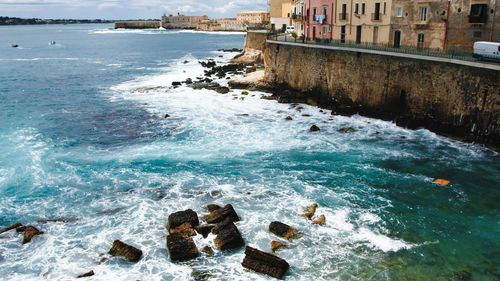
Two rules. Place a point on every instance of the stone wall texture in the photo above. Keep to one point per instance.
(449, 99)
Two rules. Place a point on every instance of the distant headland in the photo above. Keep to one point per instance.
(20, 21)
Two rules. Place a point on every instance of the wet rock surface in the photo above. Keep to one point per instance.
(185, 229)
(228, 236)
(128, 252)
(321, 220)
(276, 245)
(181, 217)
(221, 214)
(281, 229)
(88, 274)
(14, 226)
(266, 263)
(310, 211)
(204, 229)
(29, 233)
(181, 248)
(314, 128)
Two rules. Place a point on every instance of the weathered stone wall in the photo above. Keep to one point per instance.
(137, 24)
(450, 99)
(255, 40)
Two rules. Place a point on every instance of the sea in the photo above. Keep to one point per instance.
(87, 156)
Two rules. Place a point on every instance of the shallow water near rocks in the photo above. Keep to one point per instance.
(88, 158)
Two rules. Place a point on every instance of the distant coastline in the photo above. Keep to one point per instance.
(35, 21)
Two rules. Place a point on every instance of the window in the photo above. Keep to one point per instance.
(376, 15)
(325, 11)
(344, 12)
(423, 14)
(385, 7)
(363, 8)
(356, 8)
(477, 34)
(420, 38)
(314, 13)
(478, 13)
(400, 12)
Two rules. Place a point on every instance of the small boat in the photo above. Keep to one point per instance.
(52, 42)
(15, 45)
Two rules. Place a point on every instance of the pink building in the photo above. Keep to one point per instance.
(319, 18)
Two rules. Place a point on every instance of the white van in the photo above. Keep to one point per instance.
(290, 29)
(487, 50)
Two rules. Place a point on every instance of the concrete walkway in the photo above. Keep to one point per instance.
(491, 66)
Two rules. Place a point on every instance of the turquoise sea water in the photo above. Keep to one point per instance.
(82, 136)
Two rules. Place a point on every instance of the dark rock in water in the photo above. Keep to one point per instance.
(245, 93)
(269, 97)
(166, 115)
(204, 229)
(347, 130)
(219, 215)
(176, 83)
(222, 90)
(203, 85)
(310, 211)
(314, 128)
(321, 220)
(14, 226)
(231, 50)
(14, 45)
(306, 115)
(228, 236)
(185, 229)
(185, 61)
(181, 217)
(208, 64)
(64, 220)
(289, 118)
(88, 274)
(266, 263)
(129, 252)
(181, 248)
(276, 245)
(208, 250)
(22, 228)
(281, 229)
(189, 81)
(213, 207)
(29, 233)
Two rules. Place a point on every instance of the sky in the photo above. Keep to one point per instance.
(126, 9)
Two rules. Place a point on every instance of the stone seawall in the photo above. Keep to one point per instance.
(454, 100)
(137, 24)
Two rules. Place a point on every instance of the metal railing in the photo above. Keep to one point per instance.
(416, 50)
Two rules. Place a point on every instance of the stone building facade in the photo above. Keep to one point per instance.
(280, 13)
(254, 17)
(298, 12)
(181, 21)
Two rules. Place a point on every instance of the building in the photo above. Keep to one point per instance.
(319, 19)
(254, 17)
(225, 24)
(444, 24)
(298, 11)
(181, 21)
(280, 11)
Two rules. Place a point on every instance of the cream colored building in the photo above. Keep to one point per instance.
(362, 21)
(181, 21)
(280, 12)
(297, 15)
(254, 17)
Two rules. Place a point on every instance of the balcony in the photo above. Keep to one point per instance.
(376, 16)
(343, 16)
(297, 17)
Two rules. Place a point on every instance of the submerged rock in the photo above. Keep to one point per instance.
(14, 226)
(222, 90)
(29, 233)
(88, 274)
(276, 245)
(208, 250)
(176, 83)
(181, 217)
(204, 229)
(213, 207)
(189, 81)
(63, 220)
(321, 220)
(181, 248)
(281, 229)
(220, 214)
(314, 128)
(289, 118)
(129, 252)
(310, 211)
(347, 130)
(228, 236)
(263, 262)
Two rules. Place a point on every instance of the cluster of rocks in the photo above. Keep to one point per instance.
(29, 231)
